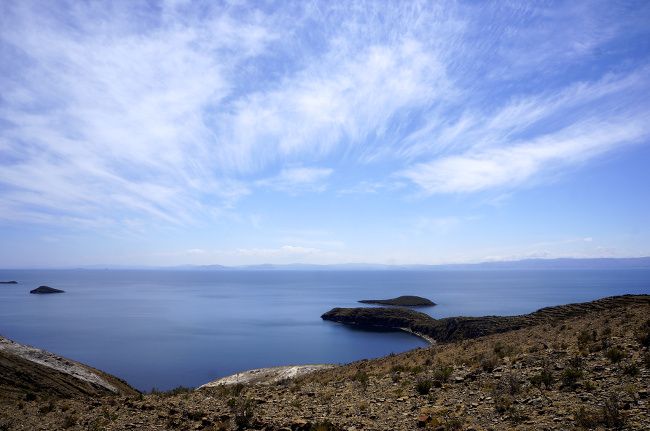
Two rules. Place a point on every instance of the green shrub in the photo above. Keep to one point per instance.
(175, 391)
(193, 415)
(489, 363)
(504, 393)
(588, 385)
(570, 377)
(441, 374)
(587, 417)
(503, 403)
(511, 384)
(609, 415)
(631, 370)
(584, 339)
(324, 426)
(502, 350)
(46, 408)
(244, 412)
(453, 424)
(575, 362)
(236, 389)
(612, 416)
(614, 354)
(361, 377)
(643, 335)
(423, 386)
(69, 421)
(545, 377)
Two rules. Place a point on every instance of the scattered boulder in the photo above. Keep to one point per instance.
(403, 301)
(46, 289)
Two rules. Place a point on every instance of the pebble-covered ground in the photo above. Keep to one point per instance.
(583, 373)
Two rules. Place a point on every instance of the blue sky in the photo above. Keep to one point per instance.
(164, 133)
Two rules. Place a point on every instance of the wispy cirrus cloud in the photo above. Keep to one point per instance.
(135, 113)
(511, 166)
(438, 225)
(332, 104)
(109, 120)
(533, 137)
(298, 179)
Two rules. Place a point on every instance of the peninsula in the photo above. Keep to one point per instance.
(460, 328)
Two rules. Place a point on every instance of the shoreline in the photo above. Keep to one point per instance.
(430, 340)
(270, 375)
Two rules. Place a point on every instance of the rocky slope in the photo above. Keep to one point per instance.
(571, 370)
(460, 328)
(267, 375)
(29, 372)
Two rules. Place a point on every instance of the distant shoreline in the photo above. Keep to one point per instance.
(562, 263)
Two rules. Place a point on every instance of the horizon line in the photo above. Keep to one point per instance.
(332, 265)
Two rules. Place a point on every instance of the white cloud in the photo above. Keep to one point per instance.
(108, 119)
(437, 225)
(280, 252)
(373, 187)
(129, 115)
(335, 101)
(511, 166)
(298, 179)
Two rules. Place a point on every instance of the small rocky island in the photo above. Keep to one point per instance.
(46, 289)
(402, 301)
(9, 282)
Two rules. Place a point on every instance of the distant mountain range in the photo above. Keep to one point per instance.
(525, 264)
(563, 263)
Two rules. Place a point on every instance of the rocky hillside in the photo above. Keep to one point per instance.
(27, 372)
(571, 370)
(461, 328)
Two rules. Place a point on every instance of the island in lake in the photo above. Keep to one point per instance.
(9, 282)
(46, 289)
(403, 301)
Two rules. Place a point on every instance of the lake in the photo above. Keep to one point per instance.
(165, 328)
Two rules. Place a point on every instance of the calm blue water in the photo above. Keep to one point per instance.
(168, 328)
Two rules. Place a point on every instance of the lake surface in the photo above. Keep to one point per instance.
(168, 328)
